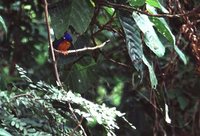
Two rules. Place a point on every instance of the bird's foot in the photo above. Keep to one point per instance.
(65, 53)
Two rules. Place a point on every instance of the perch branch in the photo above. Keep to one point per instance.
(83, 49)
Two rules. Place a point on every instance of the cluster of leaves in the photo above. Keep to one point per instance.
(42, 118)
(104, 76)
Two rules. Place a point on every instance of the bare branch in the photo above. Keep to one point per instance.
(55, 64)
(23, 95)
(78, 125)
(131, 9)
(82, 49)
(51, 45)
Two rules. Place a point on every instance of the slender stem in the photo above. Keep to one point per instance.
(51, 45)
(78, 125)
(55, 64)
(131, 9)
(23, 95)
(83, 49)
(76, 118)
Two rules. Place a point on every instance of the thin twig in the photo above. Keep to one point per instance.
(119, 63)
(82, 49)
(51, 45)
(55, 63)
(77, 121)
(78, 125)
(22, 95)
(131, 9)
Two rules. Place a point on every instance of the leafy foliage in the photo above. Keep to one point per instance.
(63, 17)
(89, 110)
(133, 40)
(102, 93)
(164, 29)
(150, 37)
(152, 75)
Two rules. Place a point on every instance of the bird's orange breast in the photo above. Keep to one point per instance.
(64, 45)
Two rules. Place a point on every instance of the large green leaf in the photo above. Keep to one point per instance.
(133, 40)
(162, 27)
(2, 23)
(152, 75)
(66, 13)
(150, 37)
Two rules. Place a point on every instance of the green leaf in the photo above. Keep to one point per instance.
(152, 75)
(160, 24)
(162, 27)
(133, 40)
(110, 11)
(180, 53)
(13, 123)
(116, 93)
(101, 91)
(137, 2)
(68, 13)
(156, 4)
(2, 24)
(150, 37)
(3, 132)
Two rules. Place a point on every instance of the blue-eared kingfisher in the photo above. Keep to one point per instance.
(64, 43)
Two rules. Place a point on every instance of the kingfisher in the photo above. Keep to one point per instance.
(64, 43)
